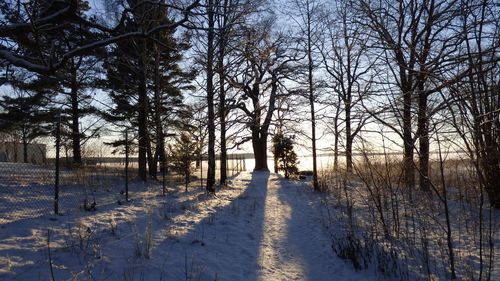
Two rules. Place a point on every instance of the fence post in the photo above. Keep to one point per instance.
(233, 165)
(126, 164)
(58, 149)
(164, 171)
(244, 168)
(201, 169)
(240, 164)
(237, 163)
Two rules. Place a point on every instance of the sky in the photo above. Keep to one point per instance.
(371, 133)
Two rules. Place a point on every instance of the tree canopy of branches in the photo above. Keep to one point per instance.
(32, 23)
(264, 61)
(147, 85)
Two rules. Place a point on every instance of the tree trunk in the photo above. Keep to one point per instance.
(25, 147)
(491, 158)
(152, 164)
(276, 170)
(408, 168)
(259, 144)
(313, 135)
(210, 100)
(491, 172)
(348, 136)
(160, 150)
(311, 100)
(260, 131)
(336, 141)
(75, 120)
(423, 138)
(222, 114)
(187, 178)
(142, 120)
(157, 119)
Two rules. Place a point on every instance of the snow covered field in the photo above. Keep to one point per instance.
(260, 227)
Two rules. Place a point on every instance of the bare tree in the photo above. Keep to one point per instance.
(417, 38)
(230, 14)
(224, 29)
(210, 96)
(306, 15)
(264, 61)
(475, 98)
(348, 64)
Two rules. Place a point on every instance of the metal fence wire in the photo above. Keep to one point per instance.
(34, 181)
(33, 189)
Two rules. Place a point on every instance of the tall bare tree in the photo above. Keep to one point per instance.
(475, 98)
(210, 9)
(306, 14)
(230, 14)
(417, 38)
(348, 65)
(223, 34)
(264, 61)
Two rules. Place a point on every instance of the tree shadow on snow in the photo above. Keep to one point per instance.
(207, 252)
(306, 240)
(225, 245)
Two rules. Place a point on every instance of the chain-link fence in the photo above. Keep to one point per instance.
(34, 188)
(37, 180)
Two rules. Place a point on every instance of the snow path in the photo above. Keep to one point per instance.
(294, 244)
(272, 231)
(290, 239)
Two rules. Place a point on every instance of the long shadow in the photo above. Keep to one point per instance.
(207, 252)
(306, 239)
(203, 252)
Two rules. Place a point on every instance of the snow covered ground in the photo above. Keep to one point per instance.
(261, 227)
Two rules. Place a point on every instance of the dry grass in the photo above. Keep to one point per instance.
(412, 222)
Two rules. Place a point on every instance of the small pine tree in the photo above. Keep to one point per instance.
(183, 154)
(285, 154)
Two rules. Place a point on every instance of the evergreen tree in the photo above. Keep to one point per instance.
(75, 74)
(285, 154)
(28, 22)
(80, 74)
(126, 81)
(147, 84)
(183, 153)
(168, 82)
(25, 111)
